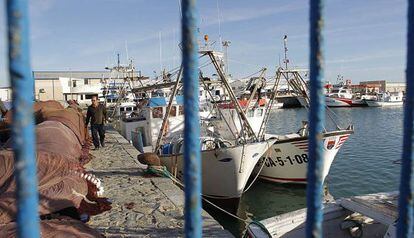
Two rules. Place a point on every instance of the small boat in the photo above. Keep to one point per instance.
(339, 97)
(372, 215)
(386, 100)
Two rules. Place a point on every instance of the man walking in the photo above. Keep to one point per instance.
(96, 114)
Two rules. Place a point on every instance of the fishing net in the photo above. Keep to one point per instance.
(58, 185)
(63, 227)
(54, 137)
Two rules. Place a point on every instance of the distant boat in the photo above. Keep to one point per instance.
(386, 100)
(339, 97)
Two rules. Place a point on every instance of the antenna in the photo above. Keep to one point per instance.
(219, 24)
(279, 60)
(126, 49)
(160, 39)
(119, 62)
(286, 60)
(226, 45)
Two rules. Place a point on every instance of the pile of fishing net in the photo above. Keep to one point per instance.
(66, 192)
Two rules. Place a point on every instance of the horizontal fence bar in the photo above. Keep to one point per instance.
(405, 208)
(192, 163)
(316, 123)
(23, 136)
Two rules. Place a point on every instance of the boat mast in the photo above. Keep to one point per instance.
(256, 86)
(246, 124)
(286, 60)
(226, 45)
(167, 113)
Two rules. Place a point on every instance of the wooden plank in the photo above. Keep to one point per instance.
(381, 207)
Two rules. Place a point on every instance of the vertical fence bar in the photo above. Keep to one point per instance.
(23, 122)
(316, 122)
(192, 163)
(405, 208)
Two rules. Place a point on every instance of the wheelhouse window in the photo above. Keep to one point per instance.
(173, 111)
(250, 113)
(180, 110)
(157, 112)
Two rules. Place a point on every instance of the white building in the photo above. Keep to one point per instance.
(5, 93)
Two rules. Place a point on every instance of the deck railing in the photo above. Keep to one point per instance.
(24, 139)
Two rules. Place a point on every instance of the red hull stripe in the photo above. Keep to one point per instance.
(284, 179)
(347, 101)
(300, 143)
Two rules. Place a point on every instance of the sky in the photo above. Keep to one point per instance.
(363, 40)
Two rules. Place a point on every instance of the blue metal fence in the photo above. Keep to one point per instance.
(24, 140)
(23, 123)
(316, 123)
(192, 163)
(405, 221)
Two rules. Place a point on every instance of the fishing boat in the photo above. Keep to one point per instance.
(371, 215)
(227, 163)
(287, 159)
(386, 100)
(340, 96)
(226, 166)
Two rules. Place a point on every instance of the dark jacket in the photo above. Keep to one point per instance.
(96, 115)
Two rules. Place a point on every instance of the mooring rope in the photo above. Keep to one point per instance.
(162, 171)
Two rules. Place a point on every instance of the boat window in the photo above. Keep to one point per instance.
(121, 109)
(250, 113)
(180, 110)
(259, 112)
(217, 92)
(173, 111)
(134, 108)
(157, 112)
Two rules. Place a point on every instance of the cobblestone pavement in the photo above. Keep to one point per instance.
(142, 206)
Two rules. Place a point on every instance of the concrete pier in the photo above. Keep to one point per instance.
(142, 206)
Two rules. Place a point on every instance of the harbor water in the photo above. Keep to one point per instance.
(367, 163)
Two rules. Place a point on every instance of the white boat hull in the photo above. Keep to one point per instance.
(383, 104)
(330, 102)
(287, 160)
(338, 102)
(225, 171)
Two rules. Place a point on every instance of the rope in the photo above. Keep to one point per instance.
(162, 171)
(258, 173)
